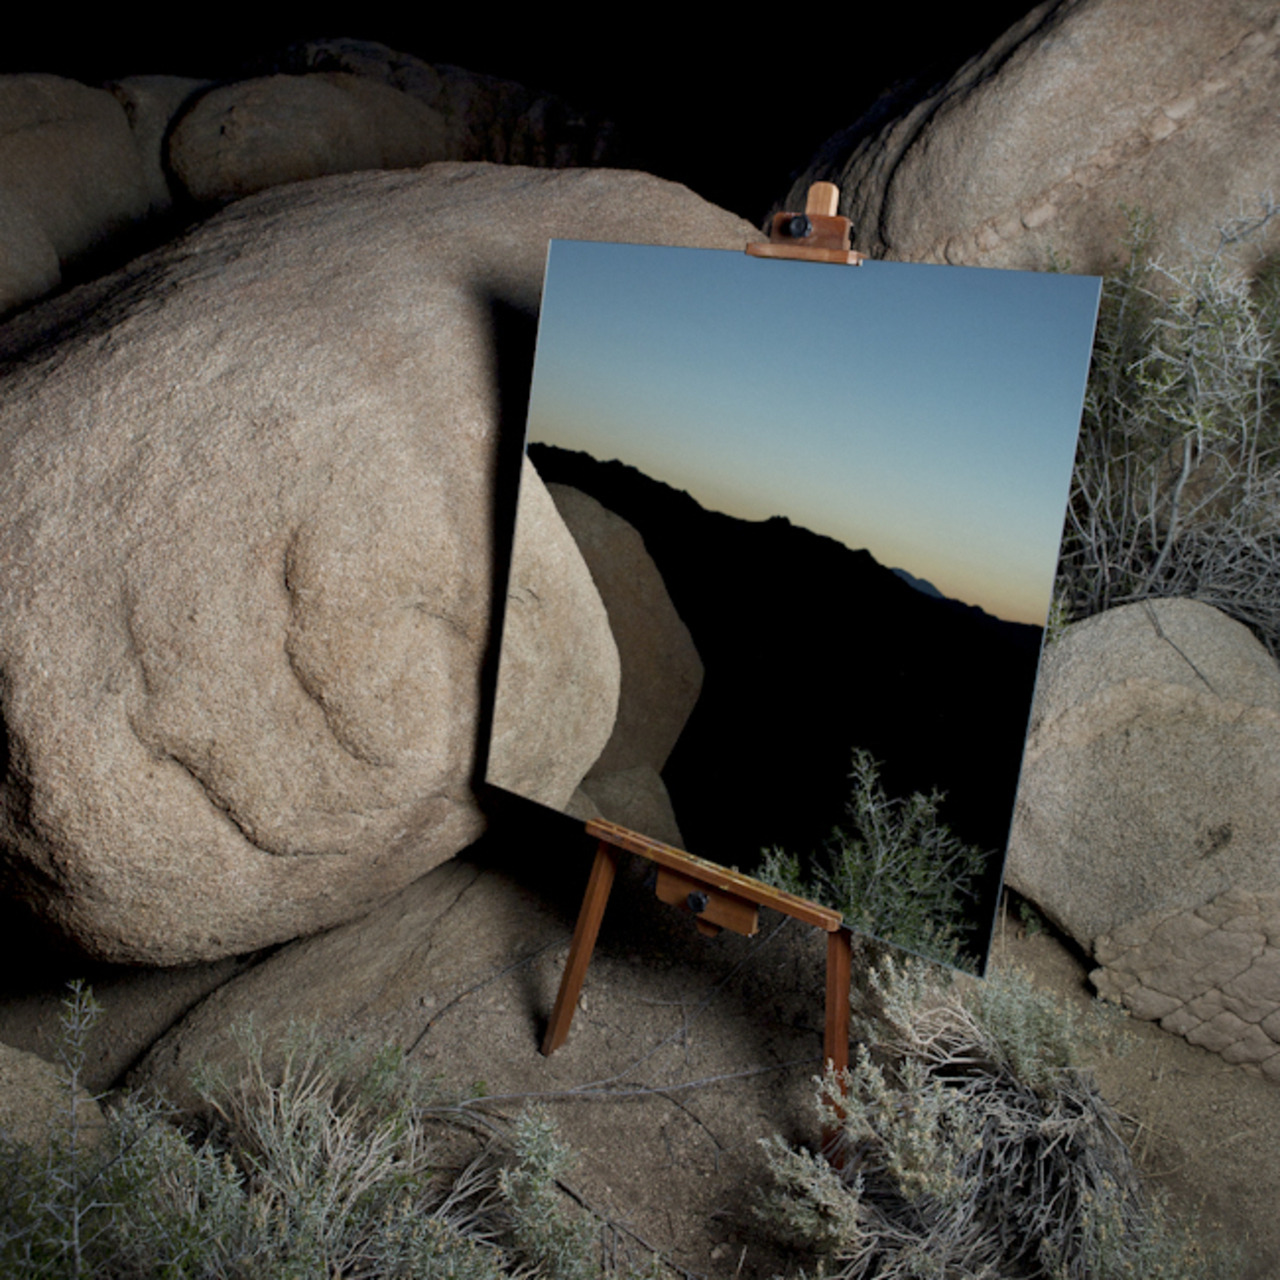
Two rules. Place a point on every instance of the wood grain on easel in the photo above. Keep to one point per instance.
(594, 901)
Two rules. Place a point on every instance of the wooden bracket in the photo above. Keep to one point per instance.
(719, 899)
(816, 235)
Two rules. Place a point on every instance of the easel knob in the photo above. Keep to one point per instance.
(824, 199)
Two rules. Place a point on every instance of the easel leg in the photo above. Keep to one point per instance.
(835, 1040)
(594, 902)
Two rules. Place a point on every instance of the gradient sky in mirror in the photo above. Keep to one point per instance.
(926, 413)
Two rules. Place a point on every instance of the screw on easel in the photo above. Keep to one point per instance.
(697, 902)
(797, 227)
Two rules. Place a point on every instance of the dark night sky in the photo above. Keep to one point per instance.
(731, 112)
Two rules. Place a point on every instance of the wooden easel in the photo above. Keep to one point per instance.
(718, 897)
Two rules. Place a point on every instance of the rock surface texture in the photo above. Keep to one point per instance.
(34, 1103)
(636, 798)
(1084, 105)
(246, 526)
(661, 673)
(1147, 818)
(1212, 975)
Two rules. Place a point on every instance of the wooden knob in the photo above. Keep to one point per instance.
(824, 199)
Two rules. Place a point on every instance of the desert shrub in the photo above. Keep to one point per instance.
(895, 871)
(972, 1145)
(560, 1244)
(331, 1164)
(1176, 490)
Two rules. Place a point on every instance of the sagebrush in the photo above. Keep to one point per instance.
(895, 870)
(973, 1146)
(1176, 489)
(339, 1162)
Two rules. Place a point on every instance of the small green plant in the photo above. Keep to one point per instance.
(972, 1144)
(1030, 917)
(1176, 489)
(329, 1164)
(896, 872)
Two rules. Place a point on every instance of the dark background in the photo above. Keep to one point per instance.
(732, 112)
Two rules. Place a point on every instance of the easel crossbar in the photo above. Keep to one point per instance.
(716, 876)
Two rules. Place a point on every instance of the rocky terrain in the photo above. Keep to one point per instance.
(254, 500)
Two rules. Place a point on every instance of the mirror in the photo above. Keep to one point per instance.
(822, 508)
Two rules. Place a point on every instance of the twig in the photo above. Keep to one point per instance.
(602, 1089)
(479, 986)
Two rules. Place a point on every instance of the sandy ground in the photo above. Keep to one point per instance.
(685, 1052)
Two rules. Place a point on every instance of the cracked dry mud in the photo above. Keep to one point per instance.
(683, 1052)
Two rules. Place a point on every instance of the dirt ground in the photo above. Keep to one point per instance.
(685, 1052)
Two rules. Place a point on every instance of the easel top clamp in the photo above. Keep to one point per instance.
(717, 897)
(818, 234)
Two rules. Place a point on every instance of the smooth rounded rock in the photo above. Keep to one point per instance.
(151, 104)
(1151, 779)
(70, 178)
(254, 134)
(1029, 155)
(246, 551)
(1147, 816)
(559, 668)
(38, 1105)
(661, 670)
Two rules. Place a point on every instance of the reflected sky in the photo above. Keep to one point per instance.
(926, 413)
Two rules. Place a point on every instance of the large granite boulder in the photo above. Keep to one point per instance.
(1030, 151)
(559, 665)
(70, 178)
(1147, 817)
(254, 134)
(661, 670)
(635, 798)
(246, 550)
(81, 167)
(661, 673)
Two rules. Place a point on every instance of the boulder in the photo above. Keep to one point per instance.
(36, 1103)
(388, 975)
(661, 670)
(635, 798)
(485, 118)
(254, 134)
(1029, 152)
(70, 178)
(246, 551)
(1211, 974)
(559, 663)
(1148, 809)
(151, 104)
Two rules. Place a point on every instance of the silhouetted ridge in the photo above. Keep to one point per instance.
(810, 649)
